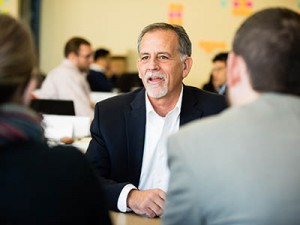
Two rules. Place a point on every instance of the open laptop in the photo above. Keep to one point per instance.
(53, 106)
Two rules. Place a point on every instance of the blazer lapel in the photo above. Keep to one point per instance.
(190, 108)
(135, 121)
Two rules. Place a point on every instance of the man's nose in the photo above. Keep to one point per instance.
(153, 64)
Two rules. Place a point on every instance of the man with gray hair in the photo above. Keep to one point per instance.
(129, 131)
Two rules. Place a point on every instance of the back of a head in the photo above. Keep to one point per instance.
(269, 42)
(17, 58)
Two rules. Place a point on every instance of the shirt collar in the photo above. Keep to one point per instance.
(96, 67)
(69, 64)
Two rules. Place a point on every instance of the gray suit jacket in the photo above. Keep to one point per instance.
(238, 167)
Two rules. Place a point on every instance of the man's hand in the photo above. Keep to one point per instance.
(148, 202)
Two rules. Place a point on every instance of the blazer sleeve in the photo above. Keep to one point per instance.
(100, 155)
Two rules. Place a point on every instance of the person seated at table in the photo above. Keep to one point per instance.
(242, 166)
(68, 81)
(129, 131)
(38, 185)
(97, 77)
(217, 80)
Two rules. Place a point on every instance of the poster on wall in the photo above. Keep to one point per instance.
(175, 14)
(223, 3)
(242, 7)
(210, 46)
(9, 7)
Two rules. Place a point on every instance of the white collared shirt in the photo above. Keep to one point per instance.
(155, 171)
(221, 90)
(97, 67)
(66, 82)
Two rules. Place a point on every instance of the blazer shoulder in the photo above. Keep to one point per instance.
(205, 100)
(203, 95)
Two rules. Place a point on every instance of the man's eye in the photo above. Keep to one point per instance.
(144, 58)
(163, 57)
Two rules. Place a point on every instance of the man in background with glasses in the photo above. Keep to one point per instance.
(68, 80)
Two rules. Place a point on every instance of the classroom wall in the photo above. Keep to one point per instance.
(115, 24)
(10, 7)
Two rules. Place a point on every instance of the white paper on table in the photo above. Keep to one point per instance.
(99, 96)
(57, 126)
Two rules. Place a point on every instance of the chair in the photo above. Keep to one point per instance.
(53, 106)
(129, 81)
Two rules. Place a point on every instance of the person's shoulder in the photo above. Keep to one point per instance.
(59, 155)
(96, 76)
(66, 160)
(94, 72)
(26, 148)
(63, 153)
(199, 92)
(208, 87)
(205, 98)
(65, 150)
(62, 70)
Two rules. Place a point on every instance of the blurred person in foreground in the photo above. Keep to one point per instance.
(129, 131)
(38, 185)
(242, 166)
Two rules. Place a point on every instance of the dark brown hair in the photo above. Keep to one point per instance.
(269, 42)
(74, 44)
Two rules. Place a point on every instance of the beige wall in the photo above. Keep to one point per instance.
(10, 7)
(115, 24)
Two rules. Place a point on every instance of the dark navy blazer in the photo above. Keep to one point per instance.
(118, 133)
(99, 82)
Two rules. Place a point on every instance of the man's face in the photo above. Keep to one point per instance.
(106, 62)
(219, 73)
(84, 58)
(160, 66)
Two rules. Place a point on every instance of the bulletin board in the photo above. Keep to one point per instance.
(10, 7)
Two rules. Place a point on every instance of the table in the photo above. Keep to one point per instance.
(82, 144)
(132, 219)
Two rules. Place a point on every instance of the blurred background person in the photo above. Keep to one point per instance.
(217, 80)
(68, 80)
(97, 76)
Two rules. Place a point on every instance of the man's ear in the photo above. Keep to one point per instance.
(233, 70)
(138, 68)
(73, 57)
(187, 65)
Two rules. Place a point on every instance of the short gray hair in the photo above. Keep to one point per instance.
(185, 45)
